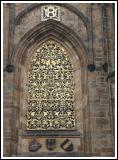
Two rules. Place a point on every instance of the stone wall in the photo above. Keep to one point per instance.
(87, 30)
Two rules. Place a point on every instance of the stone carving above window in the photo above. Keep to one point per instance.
(50, 12)
(50, 89)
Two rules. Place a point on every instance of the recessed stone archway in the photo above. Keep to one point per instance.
(27, 46)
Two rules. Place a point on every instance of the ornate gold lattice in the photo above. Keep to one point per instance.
(50, 89)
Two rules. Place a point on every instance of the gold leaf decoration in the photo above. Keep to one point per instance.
(50, 89)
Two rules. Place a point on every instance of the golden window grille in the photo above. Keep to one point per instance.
(50, 89)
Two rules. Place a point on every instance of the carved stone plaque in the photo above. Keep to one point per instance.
(50, 12)
(51, 144)
(34, 146)
(67, 145)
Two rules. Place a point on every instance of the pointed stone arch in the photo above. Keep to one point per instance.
(47, 29)
(75, 47)
(86, 22)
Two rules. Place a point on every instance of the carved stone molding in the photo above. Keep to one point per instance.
(51, 133)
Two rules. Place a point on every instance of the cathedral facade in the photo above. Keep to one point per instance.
(59, 79)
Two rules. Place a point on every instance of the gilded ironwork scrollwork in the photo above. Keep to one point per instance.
(50, 89)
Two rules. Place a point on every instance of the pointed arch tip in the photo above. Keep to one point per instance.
(50, 28)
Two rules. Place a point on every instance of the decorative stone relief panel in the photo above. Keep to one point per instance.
(50, 12)
(70, 146)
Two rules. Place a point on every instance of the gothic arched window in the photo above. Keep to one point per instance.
(50, 89)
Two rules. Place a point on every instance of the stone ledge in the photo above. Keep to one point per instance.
(49, 133)
(53, 154)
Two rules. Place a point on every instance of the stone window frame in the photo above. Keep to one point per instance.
(76, 68)
(26, 46)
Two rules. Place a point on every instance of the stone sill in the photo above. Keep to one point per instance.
(51, 133)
